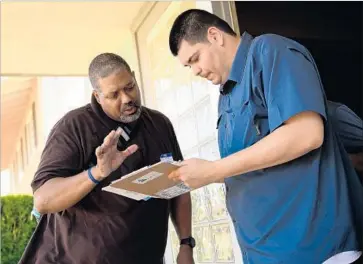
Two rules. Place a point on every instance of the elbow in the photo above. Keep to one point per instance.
(315, 130)
(316, 140)
(40, 203)
(308, 130)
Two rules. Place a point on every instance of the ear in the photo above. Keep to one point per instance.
(97, 96)
(215, 36)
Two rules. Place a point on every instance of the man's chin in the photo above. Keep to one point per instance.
(132, 116)
(216, 81)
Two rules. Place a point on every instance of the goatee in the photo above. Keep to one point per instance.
(131, 118)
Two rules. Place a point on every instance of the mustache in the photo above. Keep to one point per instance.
(130, 104)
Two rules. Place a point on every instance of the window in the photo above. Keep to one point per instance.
(15, 165)
(20, 166)
(22, 154)
(26, 147)
(15, 172)
(34, 117)
(29, 134)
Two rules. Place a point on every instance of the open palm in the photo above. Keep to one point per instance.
(108, 157)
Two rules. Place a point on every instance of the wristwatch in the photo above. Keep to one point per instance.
(190, 241)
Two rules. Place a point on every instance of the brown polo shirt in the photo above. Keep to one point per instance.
(103, 227)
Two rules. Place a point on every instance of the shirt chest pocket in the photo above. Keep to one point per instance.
(241, 127)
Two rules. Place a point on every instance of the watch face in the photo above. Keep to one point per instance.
(192, 242)
(188, 241)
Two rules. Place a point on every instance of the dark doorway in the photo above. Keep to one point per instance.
(332, 31)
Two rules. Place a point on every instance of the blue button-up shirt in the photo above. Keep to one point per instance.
(303, 211)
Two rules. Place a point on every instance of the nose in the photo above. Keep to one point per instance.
(196, 70)
(124, 98)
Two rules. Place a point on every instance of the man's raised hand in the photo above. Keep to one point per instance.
(108, 157)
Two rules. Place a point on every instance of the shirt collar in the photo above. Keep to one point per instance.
(239, 62)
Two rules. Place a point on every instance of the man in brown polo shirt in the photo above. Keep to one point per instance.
(82, 224)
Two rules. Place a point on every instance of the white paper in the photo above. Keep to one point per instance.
(128, 194)
(148, 177)
(174, 191)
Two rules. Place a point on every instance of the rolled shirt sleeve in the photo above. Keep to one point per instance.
(291, 84)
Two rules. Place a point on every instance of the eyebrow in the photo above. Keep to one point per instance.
(109, 94)
(119, 88)
(191, 57)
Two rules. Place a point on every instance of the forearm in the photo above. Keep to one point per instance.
(181, 215)
(58, 194)
(286, 143)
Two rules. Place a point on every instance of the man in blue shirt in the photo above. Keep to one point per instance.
(292, 192)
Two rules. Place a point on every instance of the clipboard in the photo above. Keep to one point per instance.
(149, 182)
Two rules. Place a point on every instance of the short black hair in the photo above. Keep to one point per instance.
(104, 65)
(192, 25)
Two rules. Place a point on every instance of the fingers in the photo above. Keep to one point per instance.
(99, 152)
(116, 136)
(175, 175)
(129, 151)
(110, 140)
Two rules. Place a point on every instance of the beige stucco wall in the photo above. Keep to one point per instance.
(61, 38)
(22, 185)
(70, 58)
